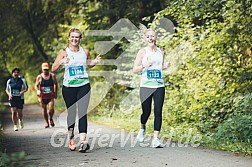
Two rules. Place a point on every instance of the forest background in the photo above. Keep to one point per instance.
(208, 86)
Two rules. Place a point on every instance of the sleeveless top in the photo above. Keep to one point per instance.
(47, 88)
(152, 76)
(75, 70)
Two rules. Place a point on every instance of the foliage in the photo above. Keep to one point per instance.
(208, 86)
(13, 160)
(237, 129)
(211, 85)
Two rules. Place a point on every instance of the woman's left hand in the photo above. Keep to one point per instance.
(97, 59)
(167, 65)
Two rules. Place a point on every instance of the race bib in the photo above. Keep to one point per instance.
(154, 74)
(47, 90)
(76, 71)
(15, 92)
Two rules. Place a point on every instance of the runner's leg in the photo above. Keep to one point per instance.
(44, 113)
(20, 109)
(70, 98)
(158, 97)
(51, 111)
(51, 108)
(146, 100)
(83, 101)
(14, 115)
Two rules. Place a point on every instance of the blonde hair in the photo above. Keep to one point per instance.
(69, 33)
(147, 30)
(75, 30)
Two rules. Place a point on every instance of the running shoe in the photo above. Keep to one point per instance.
(84, 147)
(156, 143)
(15, 128)
(140, 135)
(47, 126)
(52, 123)
(71, 145)
(21, 124)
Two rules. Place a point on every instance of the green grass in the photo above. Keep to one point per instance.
(117, 123)
(176, 133)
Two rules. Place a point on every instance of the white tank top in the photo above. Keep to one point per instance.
(75, 70)
(152, 77)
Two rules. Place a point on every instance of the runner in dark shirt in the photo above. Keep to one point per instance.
(47, 86)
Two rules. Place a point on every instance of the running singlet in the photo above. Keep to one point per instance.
(75, 70)
(15, 87)
(47, 88)
(152, 77)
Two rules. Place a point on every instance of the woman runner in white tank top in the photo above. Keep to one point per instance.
(150, 62)
(76, 87)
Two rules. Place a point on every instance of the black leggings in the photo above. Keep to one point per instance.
(79, 96)
(146, 95)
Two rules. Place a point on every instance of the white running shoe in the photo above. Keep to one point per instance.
(21, 124)
(156, 143)
(140, 135)
(15, 128)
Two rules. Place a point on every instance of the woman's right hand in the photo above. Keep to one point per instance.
(64, 60)
(147, 64)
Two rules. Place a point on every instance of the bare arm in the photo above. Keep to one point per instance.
(91, 63)
(55, 86)
(165, 65)
(37, 83)
(60, 59)
(138, 66)
(9, 94)
(23, 91)
(138, 62)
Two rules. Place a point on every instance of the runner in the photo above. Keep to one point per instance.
(149, 61)
(47, 86)
(76, 87)
(15, 89)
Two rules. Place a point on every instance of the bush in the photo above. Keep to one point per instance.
(236, 129)
(13, 160)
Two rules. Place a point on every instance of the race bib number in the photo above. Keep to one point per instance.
(15, 92)
(154, 74)
(76, 71)
(47, 90)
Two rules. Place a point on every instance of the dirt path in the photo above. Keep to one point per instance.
(110, 147)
